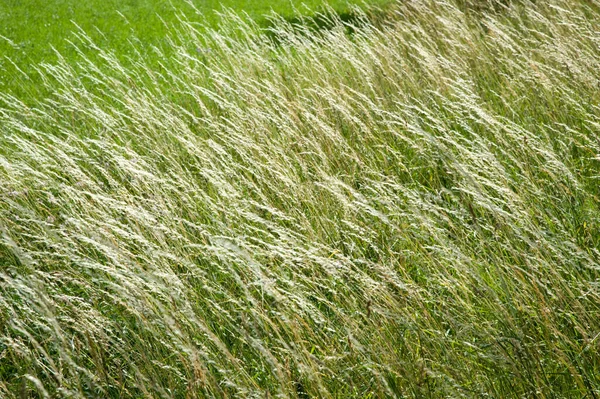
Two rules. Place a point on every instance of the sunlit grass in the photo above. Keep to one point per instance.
(406, 210)
(32, 30)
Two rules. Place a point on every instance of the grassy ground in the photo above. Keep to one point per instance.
(408, 210)
(33, 28)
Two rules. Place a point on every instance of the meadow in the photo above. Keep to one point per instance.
(32, 31)
(401, 204)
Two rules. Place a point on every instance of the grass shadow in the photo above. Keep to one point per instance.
(326, 20)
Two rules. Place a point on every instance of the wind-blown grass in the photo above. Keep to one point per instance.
(32, 30)
(409, 210)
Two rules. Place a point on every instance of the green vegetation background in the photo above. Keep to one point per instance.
(31, 29)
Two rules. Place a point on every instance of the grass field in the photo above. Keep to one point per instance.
(407, 207)
(32, 29)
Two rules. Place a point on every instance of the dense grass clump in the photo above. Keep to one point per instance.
(401, 209)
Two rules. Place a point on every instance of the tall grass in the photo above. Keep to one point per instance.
(410, 209)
